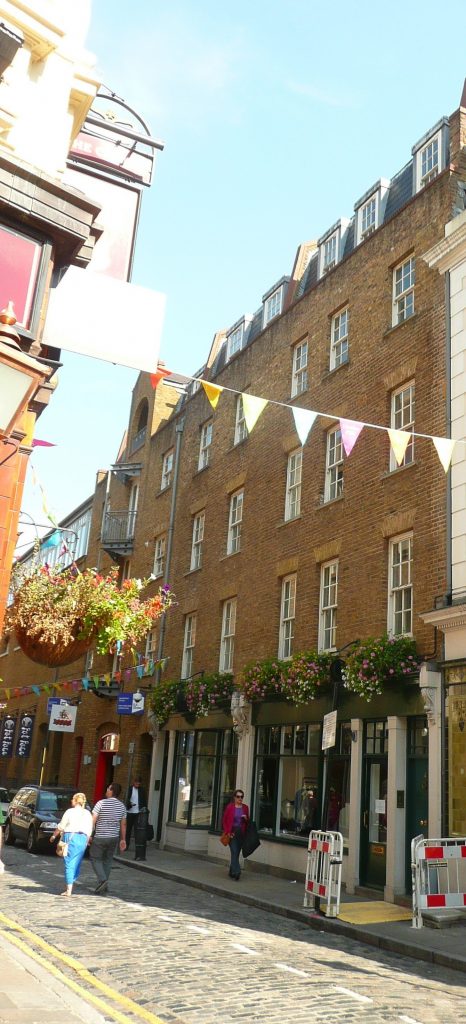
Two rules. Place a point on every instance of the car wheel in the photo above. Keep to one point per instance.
(31, 841)
(8, 834)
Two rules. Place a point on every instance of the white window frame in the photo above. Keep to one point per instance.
(273, 305)
(293, 484)
(400, 586)
(403, 412)
(368, 217)
(429, 159)
(328, 605)
(197, 541)
(159, 556)
(287, 617)
(241, 430)
(205, 444)
(227, 640)
(330, 252)
(299, 373)
(235, 341)
(167, 469)
(404, 280)
(150, 645)
(333, 465)
(339, 338)
(235, 522)
(189, 643)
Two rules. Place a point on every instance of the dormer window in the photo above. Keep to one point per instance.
(430, 155)
(273, 305)
(331, 246)
(234, 341)
(370, 209)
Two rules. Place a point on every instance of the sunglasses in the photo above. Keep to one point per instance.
(239, 796)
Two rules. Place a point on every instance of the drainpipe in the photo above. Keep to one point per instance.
(449, 574)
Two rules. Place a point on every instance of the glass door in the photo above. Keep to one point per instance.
(374, 806)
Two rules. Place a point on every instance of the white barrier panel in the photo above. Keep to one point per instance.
(438, 868)
(323, 871)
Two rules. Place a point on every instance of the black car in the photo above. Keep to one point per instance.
(34, 813)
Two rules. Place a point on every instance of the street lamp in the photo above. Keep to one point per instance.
(20, 375)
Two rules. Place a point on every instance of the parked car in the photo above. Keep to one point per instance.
(4, 801)
(34, 813)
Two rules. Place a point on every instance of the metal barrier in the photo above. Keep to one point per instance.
(438, 868)
(323, 871)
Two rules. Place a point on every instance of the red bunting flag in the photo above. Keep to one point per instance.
(160, 373)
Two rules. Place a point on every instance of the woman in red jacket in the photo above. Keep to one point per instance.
(234, 822)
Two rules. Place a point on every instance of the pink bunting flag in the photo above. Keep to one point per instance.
(42, 444)
(444, 447)
(350, 431)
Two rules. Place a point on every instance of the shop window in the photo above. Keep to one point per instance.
(204, 777)
(287, 769)
(376, 737)
(181, 792)
(339, 778)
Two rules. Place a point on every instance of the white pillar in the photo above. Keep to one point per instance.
(395, 884)
(430, 682)
(168, 785)
(241, 713)
(352, 867)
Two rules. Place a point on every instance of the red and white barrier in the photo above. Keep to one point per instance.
(438, 868)
(323, 871)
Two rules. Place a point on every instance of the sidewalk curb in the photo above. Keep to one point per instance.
(312, 919)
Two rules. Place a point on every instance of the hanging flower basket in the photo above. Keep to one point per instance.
(378, 663)
(58, 614)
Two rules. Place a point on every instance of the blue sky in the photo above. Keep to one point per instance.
(276, 118)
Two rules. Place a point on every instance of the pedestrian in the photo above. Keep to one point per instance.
(136, 801)
(75, 829)
(109, 817)
(234, 822)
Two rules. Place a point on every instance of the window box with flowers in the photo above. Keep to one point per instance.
(59, 614)
(193, 698)
(375, 664)
(297, 681)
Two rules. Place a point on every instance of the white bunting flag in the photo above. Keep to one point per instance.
(399, 440)
(444, 447)
(252, 408)
(303, 421)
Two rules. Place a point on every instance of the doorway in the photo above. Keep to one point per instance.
(417, 786)
(109, 745)
(374, 805)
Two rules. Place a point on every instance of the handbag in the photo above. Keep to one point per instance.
(225, 838)
(251, 839)
(61, 848)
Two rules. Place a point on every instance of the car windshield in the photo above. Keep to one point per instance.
(4, 798)
(53, 801)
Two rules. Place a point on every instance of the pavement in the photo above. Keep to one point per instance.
(284, 897)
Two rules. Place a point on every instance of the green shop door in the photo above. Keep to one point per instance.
(374, 806)
(417, 786)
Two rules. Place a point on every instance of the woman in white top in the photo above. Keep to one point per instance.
(75, 828)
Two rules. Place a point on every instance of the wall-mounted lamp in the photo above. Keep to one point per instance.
(87, 759)
(424, 731)
(461, 724)
(354, 736)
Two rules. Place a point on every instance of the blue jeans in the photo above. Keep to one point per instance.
(77, 843)
(236, 845)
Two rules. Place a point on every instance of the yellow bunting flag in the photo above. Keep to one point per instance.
(7, 694)
(252, 408)
(444, 447)
(399, 440)
(213, 392)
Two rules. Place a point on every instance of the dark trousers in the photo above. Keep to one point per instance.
(236, 845)
(131, 822)
(101, 853)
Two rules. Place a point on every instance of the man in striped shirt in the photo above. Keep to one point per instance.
(109, 817)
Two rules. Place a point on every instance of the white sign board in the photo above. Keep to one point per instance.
(97, 315)
(62, 718)
(330, 730)
(137, 703)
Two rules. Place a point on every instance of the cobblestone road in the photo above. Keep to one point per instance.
(192, 958)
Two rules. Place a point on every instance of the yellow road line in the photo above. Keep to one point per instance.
(84, 974)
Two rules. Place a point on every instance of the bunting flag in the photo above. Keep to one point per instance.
(350, 431)
(53, 541)
(85, 683)
(159, 374)
(303, 421)
(35, 689)
(42, 444)
(444, 447)
(213, 392)
(252, 408)
(399, 440)
(140, 671)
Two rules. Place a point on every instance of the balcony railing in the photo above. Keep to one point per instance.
(118, 529)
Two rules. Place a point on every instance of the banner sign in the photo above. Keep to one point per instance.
(8, 735)
(24, 740)
(52, 701)
(130, 703)
(62, 718)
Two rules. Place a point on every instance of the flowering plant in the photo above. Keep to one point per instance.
(297, 680)
(375, 662)
(54, 608)
(204, 693)
(162, 700)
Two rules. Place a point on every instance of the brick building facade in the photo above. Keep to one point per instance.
(274, 547)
